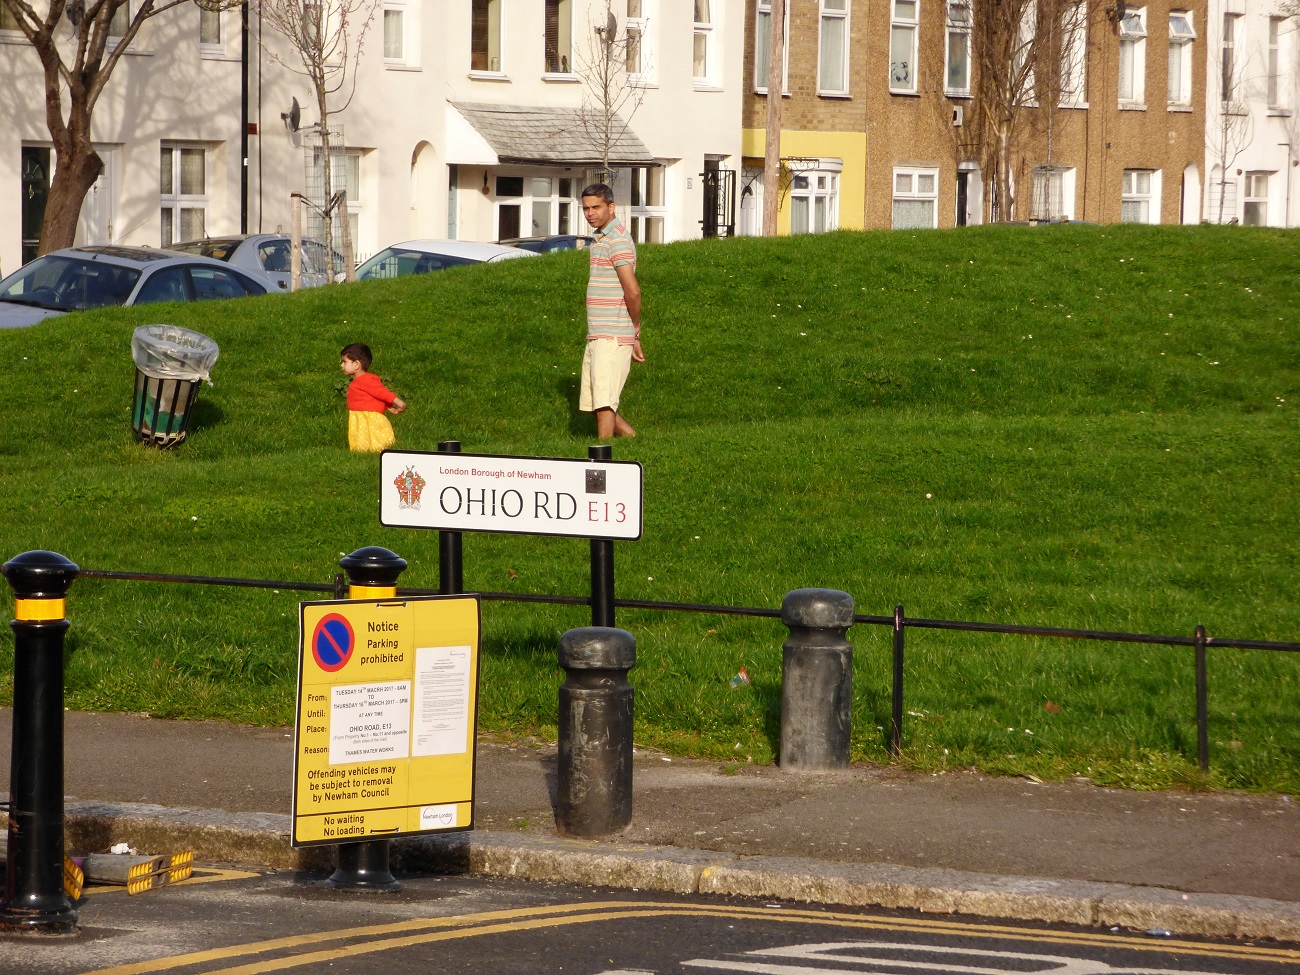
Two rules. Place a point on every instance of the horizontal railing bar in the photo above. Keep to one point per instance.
(649, 604)
(206, 580)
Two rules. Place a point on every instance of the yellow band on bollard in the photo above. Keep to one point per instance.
(371, 592)
(37, 610)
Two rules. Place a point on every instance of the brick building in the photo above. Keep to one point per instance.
(883, 101)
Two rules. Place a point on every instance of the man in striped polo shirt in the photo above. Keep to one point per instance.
(613, 315)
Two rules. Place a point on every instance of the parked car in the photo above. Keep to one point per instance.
(556, 242)
(422, 256)
(269, 255)
(77, 278)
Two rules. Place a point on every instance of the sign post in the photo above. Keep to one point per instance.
(387, 718)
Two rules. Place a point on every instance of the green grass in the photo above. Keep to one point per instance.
(1088, 427)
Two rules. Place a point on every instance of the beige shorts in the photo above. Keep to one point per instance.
(605, 365)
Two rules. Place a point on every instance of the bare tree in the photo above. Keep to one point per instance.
(1231, 129)
(326, 38)
(79, 44)
(1027, 58)
(606, 64)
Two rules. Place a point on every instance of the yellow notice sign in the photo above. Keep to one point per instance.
(387, 717)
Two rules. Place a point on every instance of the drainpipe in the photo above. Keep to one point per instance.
(243, 117)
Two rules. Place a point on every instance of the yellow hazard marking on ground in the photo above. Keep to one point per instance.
(420, 931)
(201, 876)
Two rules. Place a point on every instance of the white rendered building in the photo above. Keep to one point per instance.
(1252, 137)
(468, 121)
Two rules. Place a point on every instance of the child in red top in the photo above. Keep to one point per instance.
(368, 429)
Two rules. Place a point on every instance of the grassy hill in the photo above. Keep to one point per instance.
(1089, 427)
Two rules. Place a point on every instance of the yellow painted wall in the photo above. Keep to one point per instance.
(848, 146)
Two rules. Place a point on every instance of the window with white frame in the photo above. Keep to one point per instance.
(1228, 60)
(485, 36)
(1074, 57)
(535, 205)
(345, 177)
(916, 199)
(639, 42)
(395, 30)
(182, 193)
(814, 202)
(647, 211)
(1255, 212)
(703, 58)
(1053, 194)
(1133, 56)
(1274, 60)
(833, 48)
(559, 36)
(763, 46)
(211, 40)
(902, 45)
(1138, 203)
(1181, 36)
(956, 79)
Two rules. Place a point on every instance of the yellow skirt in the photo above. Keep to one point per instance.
(369, 433)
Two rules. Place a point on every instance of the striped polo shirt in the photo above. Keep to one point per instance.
(607, 316)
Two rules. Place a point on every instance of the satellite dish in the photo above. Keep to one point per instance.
(293, 117)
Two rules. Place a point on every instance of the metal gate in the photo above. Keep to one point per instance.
(719, 202)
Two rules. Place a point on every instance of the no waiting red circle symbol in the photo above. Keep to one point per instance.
(332, 642)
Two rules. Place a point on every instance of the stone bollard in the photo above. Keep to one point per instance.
(34, 898)
(816, 680)
(594, 794)
(372, 574)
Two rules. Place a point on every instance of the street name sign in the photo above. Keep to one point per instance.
(387, 718)
(520, 495)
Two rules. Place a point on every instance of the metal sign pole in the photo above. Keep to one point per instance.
(451, 564)
(602, 561)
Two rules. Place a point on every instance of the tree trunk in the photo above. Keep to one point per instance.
(772, 157)
(76, 163)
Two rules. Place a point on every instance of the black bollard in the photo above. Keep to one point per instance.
(816, 680)
(34, 899)
(372, 574)
(595, 762)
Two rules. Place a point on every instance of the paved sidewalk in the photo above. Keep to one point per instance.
(1190, 863)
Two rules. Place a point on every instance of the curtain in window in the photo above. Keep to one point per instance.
(913, 214)
(832, 74)
(1126, 53)
(393, 35)
(1133, 211)
(799, 215)
(192, 175)
(901, 69)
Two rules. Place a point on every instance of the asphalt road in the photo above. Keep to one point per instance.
(241, 922)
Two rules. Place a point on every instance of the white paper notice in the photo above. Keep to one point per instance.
(441, 701)
(370, 721)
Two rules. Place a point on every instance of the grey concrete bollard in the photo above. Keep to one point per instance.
(816, 680)
(594, 794)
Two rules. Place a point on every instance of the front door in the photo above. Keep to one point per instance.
(35, 191)
(963, 189)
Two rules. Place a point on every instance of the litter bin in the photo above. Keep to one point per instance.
(170, 363)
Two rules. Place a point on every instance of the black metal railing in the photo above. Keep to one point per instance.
(899, 623)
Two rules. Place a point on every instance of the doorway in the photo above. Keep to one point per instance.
(35, 193)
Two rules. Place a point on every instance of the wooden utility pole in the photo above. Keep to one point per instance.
(775, 91)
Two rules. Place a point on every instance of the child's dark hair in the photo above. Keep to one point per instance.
(357, 352)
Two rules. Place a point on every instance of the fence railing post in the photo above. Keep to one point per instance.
(594, 789)
(816, 680)
(1202, 703)
(34, 898)
(372, 574)
(896, 718)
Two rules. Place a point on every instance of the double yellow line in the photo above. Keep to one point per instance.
(327, 946)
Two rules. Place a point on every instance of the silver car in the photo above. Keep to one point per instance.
(423, 256)
(267, 255)
(78, 278)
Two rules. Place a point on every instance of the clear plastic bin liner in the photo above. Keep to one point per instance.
(172, 352)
